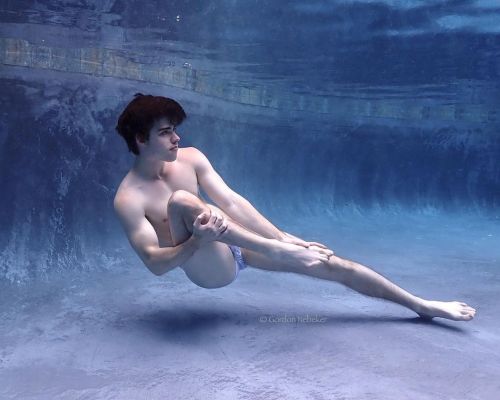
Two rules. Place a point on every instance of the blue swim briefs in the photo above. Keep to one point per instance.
(238, 258)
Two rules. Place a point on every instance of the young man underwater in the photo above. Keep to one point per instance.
(170, 226)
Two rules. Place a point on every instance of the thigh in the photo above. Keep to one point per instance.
(211, 266)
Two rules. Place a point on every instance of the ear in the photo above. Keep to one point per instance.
(139, 138)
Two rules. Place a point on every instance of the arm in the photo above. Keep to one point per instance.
(241, 210)
(234, 205)
(144, 241)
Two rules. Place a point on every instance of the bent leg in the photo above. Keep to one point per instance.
(368, 282)
(184, 207)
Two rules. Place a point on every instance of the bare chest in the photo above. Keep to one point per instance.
(154, 197)
(155, 206)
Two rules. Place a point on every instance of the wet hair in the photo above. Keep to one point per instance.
(141, 114)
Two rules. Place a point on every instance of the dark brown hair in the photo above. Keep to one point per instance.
(140, 115)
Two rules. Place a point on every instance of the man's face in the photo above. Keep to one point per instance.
(163, 141)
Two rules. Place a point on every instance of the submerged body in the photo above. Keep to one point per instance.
(213, 265)
(169, 226)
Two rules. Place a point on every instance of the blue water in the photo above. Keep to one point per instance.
(319, 107)
(371, 126)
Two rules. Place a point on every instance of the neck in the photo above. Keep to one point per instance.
(149, 168)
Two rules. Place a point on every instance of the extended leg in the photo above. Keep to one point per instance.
(365, 280)
(370, 283)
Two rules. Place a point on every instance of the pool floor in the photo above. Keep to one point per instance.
(130, 335)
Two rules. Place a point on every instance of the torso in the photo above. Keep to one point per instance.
(210, 266)
(154, 195)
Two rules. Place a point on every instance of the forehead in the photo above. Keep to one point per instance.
(162, 123)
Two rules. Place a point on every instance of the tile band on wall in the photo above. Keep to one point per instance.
(115, 63)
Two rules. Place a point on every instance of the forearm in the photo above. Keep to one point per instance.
(164, 259)
(244, 213)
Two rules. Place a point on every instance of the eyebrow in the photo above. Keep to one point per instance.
(166, 128)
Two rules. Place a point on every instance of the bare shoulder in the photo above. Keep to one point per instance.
(194, 157)
(128, 201)
(191, 153)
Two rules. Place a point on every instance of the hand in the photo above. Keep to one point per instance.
(208, 227)
(299, 257)
(287, 238)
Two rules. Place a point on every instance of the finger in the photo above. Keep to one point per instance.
(324, 249)
(213, 218)
(216, 221)
(317, 249)
(318, 244)
(198, 219)
(321, 261)
(222, 230)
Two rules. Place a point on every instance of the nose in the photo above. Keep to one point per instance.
(175, 137)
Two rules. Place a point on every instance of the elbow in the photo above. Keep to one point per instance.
(148, 260)
(153, 267)
(156, 268)
(156, 272)
(156, 261)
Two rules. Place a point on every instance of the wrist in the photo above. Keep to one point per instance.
(196, 240)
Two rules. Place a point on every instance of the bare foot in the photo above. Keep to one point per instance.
(454, 310)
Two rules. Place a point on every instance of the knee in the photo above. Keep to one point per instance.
(341, 264)
(182, 202)
(341, 268)
(182, 198)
